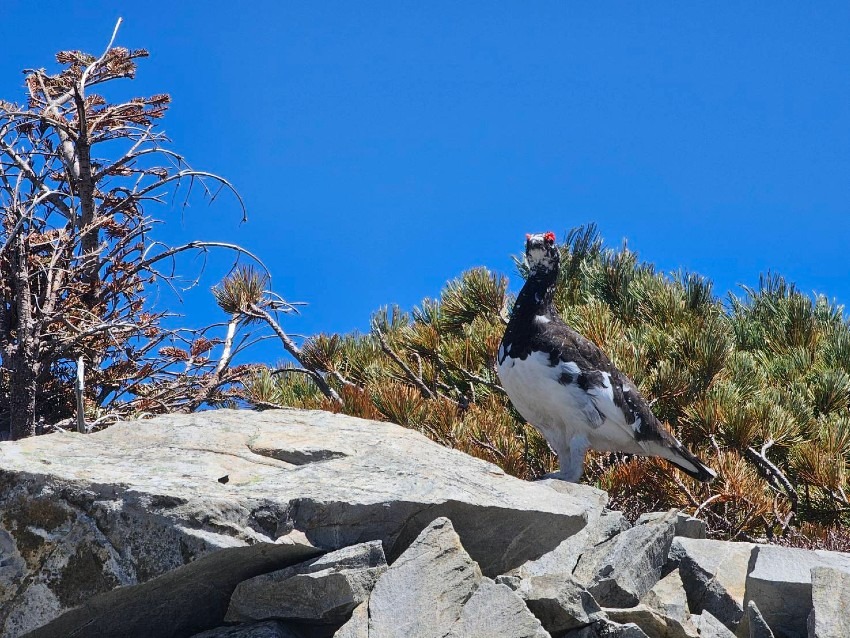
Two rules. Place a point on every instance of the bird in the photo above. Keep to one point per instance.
(566, 386)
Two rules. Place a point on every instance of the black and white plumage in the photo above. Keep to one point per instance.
(567, 388)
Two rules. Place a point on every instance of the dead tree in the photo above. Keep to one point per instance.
(78, 174)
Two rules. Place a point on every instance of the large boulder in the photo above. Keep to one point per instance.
(152, 528)
(84, 514)
(780, 584)
(436, 590)
(714, 574)
(620, 571)
(325, 590)
(829, 617)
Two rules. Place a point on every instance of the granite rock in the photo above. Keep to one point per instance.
(423, 593)
(667, 597)
(686, 526)
(561, 561)
(709, 627)
(830, 615)
(714, 574)
(357, 626)
(84, 514)
(780, 584)
(620, 571)
(757, 627)
(324, 590)
(559, 602)
(495, 611)
(653, 624)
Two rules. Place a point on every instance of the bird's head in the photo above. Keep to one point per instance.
(541, 253)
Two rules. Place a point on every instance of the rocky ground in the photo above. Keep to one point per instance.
(307, 524)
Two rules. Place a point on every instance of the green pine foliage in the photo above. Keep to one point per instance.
(757, 384)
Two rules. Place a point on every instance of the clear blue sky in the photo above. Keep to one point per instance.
(383, 148)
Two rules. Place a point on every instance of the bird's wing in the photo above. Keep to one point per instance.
(625, 420)
(613, 394)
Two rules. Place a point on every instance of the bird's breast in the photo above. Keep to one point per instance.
(539, 394)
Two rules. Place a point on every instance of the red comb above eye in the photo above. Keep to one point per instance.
(550, 236)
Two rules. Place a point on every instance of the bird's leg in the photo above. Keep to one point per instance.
(571, 460)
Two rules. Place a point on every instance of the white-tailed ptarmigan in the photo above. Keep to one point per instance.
(566, 387)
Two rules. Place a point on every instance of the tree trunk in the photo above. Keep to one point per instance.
(79, 164)
(22, 393)
(20, 356)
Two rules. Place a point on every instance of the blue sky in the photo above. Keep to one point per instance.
(383, 148)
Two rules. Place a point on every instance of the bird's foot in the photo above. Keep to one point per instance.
(569, 477)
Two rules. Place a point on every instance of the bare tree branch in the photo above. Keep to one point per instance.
(256, 311)
(417, 381)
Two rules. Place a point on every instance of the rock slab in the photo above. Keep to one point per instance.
(325, 590)
(714, 574)
(495, 611)
(620, 571)
(562, 560)
(830, 615)
(424, 591)
(780, 584)
(84, 514)
(436, 590)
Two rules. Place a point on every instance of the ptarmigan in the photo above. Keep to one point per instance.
(566, 387)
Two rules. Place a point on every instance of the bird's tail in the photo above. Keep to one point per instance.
(690, 464)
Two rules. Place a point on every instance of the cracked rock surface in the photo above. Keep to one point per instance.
(84, 514)
(325, 590)
(621, 570)
(330, 526)
(435, 589)
(714, 574)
